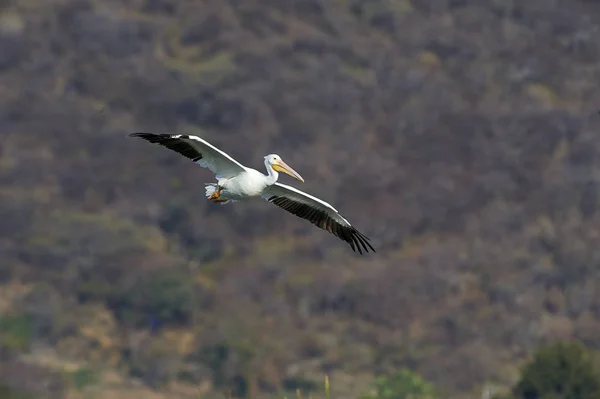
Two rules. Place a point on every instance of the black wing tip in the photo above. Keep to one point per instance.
(143, 135)
(150, 136)
(357, 240)
(173, 142)
(361, 242)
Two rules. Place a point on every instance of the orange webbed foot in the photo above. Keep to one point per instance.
(216, 194)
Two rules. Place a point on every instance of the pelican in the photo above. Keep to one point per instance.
(237, 182)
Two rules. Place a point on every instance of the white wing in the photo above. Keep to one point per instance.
(318, 212)
(199, 151)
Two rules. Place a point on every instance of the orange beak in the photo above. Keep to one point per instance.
(281, 166)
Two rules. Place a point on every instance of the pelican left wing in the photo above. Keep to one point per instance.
(318, 212)
(198, 150)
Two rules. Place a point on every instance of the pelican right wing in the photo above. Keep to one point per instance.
(198, 150)
(318, 212)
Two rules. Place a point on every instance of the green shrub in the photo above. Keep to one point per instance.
(16, 332)
(83, 377)
(229, 362)
(164, 296)
(7, 393)
(402, 385)
(561, 371)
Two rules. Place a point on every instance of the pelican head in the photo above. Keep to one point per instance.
(276, 163)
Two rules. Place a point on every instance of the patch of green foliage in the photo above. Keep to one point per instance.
(7, 393)
(229, 361)
(562, 370)
(16, 332)
(83, 377)
(403, 384)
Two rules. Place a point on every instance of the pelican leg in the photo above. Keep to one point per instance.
(216, 194)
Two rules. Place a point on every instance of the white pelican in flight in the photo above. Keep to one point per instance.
(236, 182)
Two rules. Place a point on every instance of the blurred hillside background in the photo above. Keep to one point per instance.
(461, 136)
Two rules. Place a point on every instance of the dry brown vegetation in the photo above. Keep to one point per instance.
(460, 135)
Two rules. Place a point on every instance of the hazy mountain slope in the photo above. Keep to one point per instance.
(461, 136)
